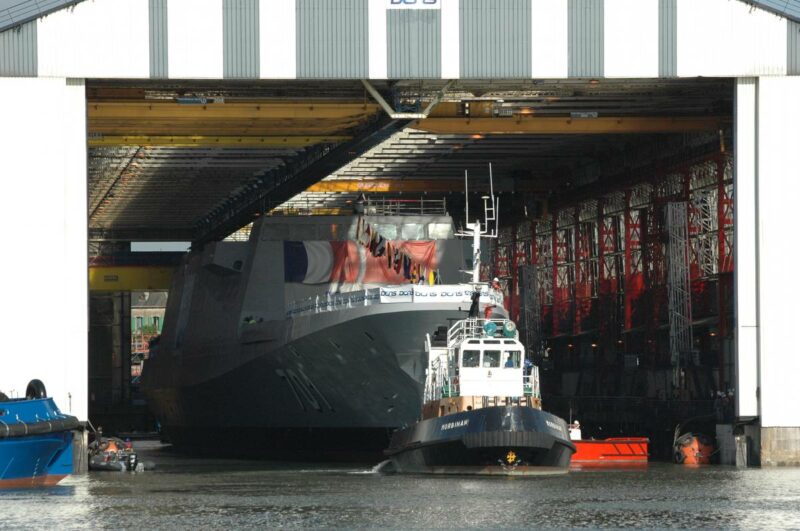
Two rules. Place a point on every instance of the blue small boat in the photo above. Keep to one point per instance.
(35, 440)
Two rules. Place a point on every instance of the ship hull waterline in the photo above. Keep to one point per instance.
(502, 440)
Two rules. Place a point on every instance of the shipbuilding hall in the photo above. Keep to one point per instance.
(644, 153)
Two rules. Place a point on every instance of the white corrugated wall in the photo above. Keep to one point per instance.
(43, 223)
(549, 39)
(96, 38)
(778, 181)
(347, 39)
(195, 39)
(278, 39)
(744, 247)
(631, 49)
(725, 38)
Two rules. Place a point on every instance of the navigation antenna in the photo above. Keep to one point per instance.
(476, 231)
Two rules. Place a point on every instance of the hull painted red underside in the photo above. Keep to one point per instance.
(39, 481)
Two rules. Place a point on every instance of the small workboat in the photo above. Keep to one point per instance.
(693, 449)
(481, 413)
(614, 452)
(112, 454)
(35, 439)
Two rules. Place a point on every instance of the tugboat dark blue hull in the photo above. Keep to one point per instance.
(505, 440)
(35, 443)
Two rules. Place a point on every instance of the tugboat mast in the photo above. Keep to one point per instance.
(491, 206)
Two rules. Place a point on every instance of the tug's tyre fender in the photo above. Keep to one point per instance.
(35, 389)
(679, 457)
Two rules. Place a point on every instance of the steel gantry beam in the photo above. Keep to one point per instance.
(145, 110)
(386, 185)
(231, 119)
(213, 141)
(130, 278)
(568, 126)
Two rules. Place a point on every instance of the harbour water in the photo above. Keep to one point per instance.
(190, 493)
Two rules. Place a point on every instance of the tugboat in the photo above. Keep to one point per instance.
(481, 414)
(35, 440)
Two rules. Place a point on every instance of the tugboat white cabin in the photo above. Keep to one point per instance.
(478, 363)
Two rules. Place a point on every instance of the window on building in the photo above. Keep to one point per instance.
(157, 323)
(139, 323)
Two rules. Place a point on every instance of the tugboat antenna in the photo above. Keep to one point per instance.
(466, 200)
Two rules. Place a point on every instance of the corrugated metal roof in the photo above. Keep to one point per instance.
(14, 13)
(18, 52)
(788, 8)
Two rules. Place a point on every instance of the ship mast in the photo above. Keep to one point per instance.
(476, 231)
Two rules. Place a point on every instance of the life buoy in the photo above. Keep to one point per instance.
(35, 389)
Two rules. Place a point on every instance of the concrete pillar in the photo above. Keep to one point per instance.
(745, 254)
(767, 189)
(43, 232)
(777, 201)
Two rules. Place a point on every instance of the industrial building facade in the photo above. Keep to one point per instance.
(354, 39)
(592, 273)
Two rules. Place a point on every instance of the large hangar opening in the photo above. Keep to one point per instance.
(615, 249)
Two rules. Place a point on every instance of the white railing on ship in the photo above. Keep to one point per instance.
(530, 383)
(389, 295)
(334, 301)
(396, 207)
(440, 385)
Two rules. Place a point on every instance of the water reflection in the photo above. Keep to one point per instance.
(191, 493)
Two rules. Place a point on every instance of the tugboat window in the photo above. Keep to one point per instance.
(511, 359)
(471, 358)
(491, 358)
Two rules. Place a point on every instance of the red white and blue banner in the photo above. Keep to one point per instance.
(349, 262)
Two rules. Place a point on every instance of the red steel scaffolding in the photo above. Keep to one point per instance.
(600, 262)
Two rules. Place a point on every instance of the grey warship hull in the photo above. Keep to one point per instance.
(335, 393)
(257, 358)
